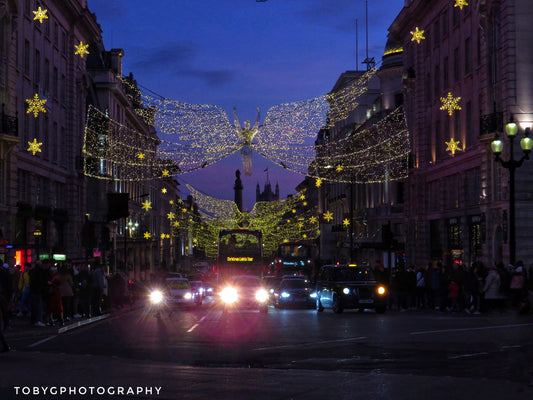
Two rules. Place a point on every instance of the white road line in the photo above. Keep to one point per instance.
(192, 328)
(468, 355)
(309, 344)
(472, 329)
(42, 341)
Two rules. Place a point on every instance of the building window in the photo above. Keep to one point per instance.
(445, 23)
(468, 57)
(446, 73)
(470, 136)
(37, 67)
(456, 65)
(26, 58)
(437, 82)
(46, 76)
(55, 78)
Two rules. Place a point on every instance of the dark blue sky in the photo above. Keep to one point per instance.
(245, 54)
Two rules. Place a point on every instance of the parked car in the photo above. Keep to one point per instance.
(341, 287)
(295, 291)
(245, 292)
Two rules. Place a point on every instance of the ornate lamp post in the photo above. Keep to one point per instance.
(526, 143)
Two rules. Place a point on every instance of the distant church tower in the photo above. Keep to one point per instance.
(267, 194)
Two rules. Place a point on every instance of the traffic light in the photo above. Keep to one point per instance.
(117, 206)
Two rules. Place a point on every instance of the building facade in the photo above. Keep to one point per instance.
(477, 57)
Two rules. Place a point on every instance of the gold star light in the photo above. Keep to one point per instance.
(171, 215)
(166, 173)
(35, 105)
(176, 224)
(339, 168)
(318, 182)
(140, 156)
(328, 216)
(418, 35)
(450, 103)
(460, 3)
(40, 15)
(302, 196)
(164, 190)
(34, 146)
(81, 49)
(312, 219)
(346, 222)
(147, 235)
(453, 146)
(147, 205)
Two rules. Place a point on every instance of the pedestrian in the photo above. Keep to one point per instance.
(493, 297)
(97, 289)
(38, 288)
(472, 289)
(5, 289)
(55, 303)
(453, 294)
(420, 288)
(67, 292)
(24, 288)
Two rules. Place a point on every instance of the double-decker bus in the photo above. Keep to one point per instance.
(240, 252)
(294, 258)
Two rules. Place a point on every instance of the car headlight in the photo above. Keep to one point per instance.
(381, 290)
(156, 297)
(261, 295)
(187, 296)
(229, 295)
(346, 290)
(285, 294)
(313, 295)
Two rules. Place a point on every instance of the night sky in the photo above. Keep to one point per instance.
(244, 54)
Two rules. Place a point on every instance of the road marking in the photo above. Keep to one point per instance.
(192, 328)
(309, 344)
(483, 353)
(472, 329)
(42, 341)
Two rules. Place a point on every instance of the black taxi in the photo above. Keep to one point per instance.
(345, 286)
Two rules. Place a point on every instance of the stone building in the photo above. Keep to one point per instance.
(457, 195)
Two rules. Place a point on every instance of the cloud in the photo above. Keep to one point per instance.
(213, 78)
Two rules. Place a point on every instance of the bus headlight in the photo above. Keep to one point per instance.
(381, 290)
(261, 296)
(187, 296)
(229, 295)
(156, 297)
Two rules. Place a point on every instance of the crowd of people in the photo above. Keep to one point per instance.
(51, 293)
(458, 288)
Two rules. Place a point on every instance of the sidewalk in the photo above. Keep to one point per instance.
(20, 327)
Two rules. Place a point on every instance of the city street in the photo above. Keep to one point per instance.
(300, 354)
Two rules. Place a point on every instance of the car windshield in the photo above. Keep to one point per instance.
(177, 284)
(247, 282)
(294, 284)
(354, 274)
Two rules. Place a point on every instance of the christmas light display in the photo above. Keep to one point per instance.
(450, 103)
(460, 3)
(453, 146)
(81, 49)
(417, 35)
(40, 15)
(34, 146)
(36, 105)
(278, 220)
(147, 205)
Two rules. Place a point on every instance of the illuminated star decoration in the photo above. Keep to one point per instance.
(318, 182)
(171, 215)
(34, 146)
(450, 103)
(147, 205)
(165, 173)
(35, 105)
(312, 219)
(164, 190)
(328, 216)
(81, 49)
(147, 235)
(40, 15)
(346, 222)
(140, 156)
(460, 3)
(453, 146)
(418, 35)
(339, 168)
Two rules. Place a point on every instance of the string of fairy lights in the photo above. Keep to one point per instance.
(188, 137)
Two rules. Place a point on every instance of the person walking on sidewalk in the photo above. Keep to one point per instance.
(38, 287)
(5, 290)
(24, 288)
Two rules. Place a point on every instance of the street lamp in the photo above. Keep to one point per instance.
(526, 143)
